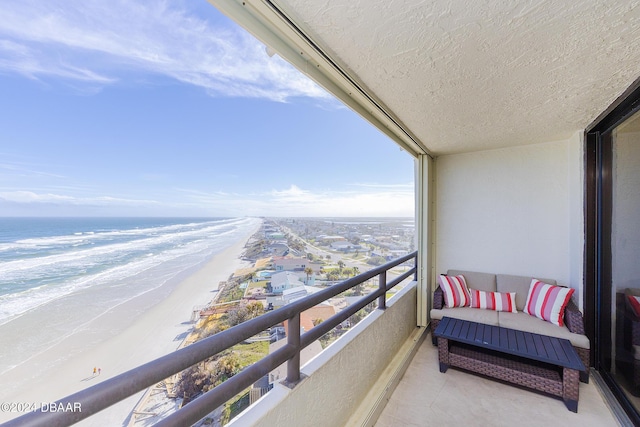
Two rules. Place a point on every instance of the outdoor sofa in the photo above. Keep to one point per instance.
(572, 323)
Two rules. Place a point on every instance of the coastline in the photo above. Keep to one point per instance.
(152, 333)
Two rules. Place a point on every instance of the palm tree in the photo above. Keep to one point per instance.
(359, 287)
(309, 272)
(341, 265)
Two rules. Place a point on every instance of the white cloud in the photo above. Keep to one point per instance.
(294, 201)
(376, 201)
(30, 197)
(102, 42)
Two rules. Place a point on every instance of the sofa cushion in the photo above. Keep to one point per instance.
(505, 301)
(524, 322)
(547, 302)
(475, 280)
(632, 291)
(518, 284)
(488, 317)
(456, 292)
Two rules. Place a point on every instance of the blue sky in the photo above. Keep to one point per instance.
(171, 109)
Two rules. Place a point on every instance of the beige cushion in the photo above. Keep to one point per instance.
(635, 292)
(488, 317)
(525, 322)
(519, 285)
(475, 280)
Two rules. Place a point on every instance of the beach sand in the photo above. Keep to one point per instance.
(147, 333)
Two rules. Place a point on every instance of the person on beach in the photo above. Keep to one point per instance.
(94, 370)
(99, 371)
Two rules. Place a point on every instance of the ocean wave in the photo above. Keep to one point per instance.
(71, 258)
(141, 264)
(75, 238)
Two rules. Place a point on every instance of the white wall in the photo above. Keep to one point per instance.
(516, 211)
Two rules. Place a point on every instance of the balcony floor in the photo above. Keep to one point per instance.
(427, 397)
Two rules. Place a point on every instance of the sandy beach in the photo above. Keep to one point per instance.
(149, 327)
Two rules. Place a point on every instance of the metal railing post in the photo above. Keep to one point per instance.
(293, 339)
(382, 285)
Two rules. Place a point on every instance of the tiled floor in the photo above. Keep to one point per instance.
(426, 397)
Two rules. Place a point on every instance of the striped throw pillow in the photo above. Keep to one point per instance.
(456, 293)
(547, 302)
(497, 301)
(635, 304)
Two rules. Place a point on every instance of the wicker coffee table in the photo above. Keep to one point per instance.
(547, 364)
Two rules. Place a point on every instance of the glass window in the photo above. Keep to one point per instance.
(624, 346)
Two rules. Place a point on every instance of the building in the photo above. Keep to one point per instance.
(290, 263)
(287, 296)
(277, 249)
(284, 280)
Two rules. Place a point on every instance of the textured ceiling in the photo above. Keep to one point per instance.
(466, 76)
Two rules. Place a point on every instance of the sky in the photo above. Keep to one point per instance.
(169, 108)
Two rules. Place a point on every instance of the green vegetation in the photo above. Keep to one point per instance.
(234, 406)
(250, 353)
(217, 369)
(376, 260)
(255, 248)
(258, 285)
(232, 294)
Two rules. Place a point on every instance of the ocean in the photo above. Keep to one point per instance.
(57, 275)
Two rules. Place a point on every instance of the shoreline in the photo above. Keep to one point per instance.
(158, 330)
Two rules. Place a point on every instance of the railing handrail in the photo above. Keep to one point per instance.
(113, 390)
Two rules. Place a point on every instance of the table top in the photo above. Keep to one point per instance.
(543, 348)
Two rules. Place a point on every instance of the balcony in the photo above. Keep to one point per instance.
(348, 371)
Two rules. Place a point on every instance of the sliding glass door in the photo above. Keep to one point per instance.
(624, 353)
(612, 267)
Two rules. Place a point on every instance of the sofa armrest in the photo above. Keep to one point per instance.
(438, 298)
(573, 318)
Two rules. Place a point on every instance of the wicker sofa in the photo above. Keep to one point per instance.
(573, 330)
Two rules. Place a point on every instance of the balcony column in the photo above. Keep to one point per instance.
(382, 285)
(293, 339)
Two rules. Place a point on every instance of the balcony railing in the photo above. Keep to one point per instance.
(109, 392)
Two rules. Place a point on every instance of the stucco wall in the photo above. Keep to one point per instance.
(516, 211)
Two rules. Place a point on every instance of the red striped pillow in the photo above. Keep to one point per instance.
(456, 293)
(635, 304)
(547, 302)
(493, 300)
